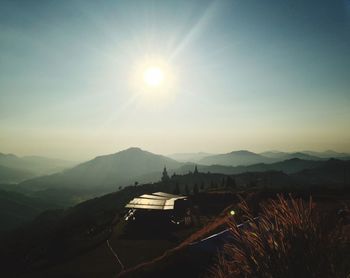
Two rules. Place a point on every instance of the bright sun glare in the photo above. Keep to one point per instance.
(153, 76)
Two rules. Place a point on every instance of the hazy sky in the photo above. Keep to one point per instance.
(245, 74)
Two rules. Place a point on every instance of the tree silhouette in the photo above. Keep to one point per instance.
(230, 182)
(223, 183)
(187, 191)
(195, 189)
(177, 189)
(252, 183)
(233, 184)
(195, 170)
(165, 176)
(211, 184)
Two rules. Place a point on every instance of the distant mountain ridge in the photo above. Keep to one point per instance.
(109, 173)
(245, 158)
(327, 154)
(13, 175)
(33, 165)
(287, 166)
(234, 158)
(275, 155)
(189, 157)
(106, 173)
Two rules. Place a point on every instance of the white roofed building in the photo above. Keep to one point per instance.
(157, 201)
(158, 209)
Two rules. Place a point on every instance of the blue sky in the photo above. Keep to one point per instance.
(248, 74)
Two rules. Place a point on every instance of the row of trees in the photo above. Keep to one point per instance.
(227, 182)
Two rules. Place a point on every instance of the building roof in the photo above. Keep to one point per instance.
(157, 201)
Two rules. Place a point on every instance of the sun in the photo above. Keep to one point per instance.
(153, 79)
(153, 76)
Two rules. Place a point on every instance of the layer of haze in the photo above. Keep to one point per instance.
(249, 74)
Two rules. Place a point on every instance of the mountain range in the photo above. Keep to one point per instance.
(58, 239)
(287, 166)
(132, 164)
(189, 157)
(102, 174)
(235, 158)
(14, 169)
(111, 173)
(245, 158)
(13, 175)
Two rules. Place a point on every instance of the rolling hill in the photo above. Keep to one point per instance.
(109, 173)
(331, 172)
(189, 157)
(17, 209)
(13, 175)
(235, 158)
(327, 154)
(245, 158)
(287, 166)
(103, 174)
(278, 156)
(36, 165)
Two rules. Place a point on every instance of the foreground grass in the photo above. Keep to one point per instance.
(289, 239)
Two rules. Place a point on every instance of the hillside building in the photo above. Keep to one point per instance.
(160, 209)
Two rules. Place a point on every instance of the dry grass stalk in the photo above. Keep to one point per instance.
(289, 239)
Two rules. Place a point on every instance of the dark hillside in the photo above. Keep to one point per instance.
(17, 209)
(332, 172)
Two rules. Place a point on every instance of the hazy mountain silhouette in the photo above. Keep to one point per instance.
(235, 158)
(108, 173)
(12, 175)
(327, 154)
(299, 155)
(36, 165)
(189, 157)
(244, 158)
(288, 166)
(274, 154)
(105, 173)
(308, 155)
